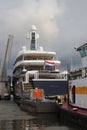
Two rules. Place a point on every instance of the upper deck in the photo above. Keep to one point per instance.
(35, 55)
(35, 58)
(83, 53)
(82, 72)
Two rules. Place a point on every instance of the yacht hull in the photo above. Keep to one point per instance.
(38, 106)
(52, 87)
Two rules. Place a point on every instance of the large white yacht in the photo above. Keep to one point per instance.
(37, 68)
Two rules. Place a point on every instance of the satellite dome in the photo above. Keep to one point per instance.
(33, 28)
(24, 48)
(41, 48)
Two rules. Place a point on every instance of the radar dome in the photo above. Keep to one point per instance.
(33, 28)
(41, 48)
(24, 48)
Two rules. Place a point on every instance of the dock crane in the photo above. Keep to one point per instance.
(4, 87)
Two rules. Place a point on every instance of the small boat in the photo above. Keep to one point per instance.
(37, 103)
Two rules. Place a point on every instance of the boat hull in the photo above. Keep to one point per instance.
(72, 117)
(38, 106)
(78, 92)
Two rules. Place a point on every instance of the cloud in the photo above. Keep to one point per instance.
(61, 24)
(17, 19)
(41, 13)
(18, 16)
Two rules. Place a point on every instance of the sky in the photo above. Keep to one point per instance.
(61, 25)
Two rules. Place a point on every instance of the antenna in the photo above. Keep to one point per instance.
(33, 38)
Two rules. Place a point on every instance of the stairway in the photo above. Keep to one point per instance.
(27, 87)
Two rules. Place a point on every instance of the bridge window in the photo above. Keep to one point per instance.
(86, 50)
(83, 52)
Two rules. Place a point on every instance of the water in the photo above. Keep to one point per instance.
(37, 122)
(13, 118)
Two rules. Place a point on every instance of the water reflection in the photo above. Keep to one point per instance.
(40, 122)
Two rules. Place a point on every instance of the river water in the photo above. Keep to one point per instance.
(36, 122)
(13, 118)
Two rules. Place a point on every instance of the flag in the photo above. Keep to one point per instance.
(49, 64)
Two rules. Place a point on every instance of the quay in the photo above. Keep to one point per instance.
(9, 110)
(72, 114)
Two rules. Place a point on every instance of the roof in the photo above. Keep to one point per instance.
(79, 48)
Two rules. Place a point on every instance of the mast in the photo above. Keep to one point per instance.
(33, 38)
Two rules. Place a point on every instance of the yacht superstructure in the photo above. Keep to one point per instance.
(35, 65)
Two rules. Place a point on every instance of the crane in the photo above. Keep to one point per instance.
(3, 74)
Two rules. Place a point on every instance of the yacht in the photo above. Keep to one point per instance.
(37, 68)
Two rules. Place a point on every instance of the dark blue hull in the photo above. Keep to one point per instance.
(52, 87)
(38, 106)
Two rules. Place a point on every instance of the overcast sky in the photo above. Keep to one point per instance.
(61, 24)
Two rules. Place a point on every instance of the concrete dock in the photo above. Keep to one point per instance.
(9, 110)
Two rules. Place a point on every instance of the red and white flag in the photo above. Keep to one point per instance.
(49, 63)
